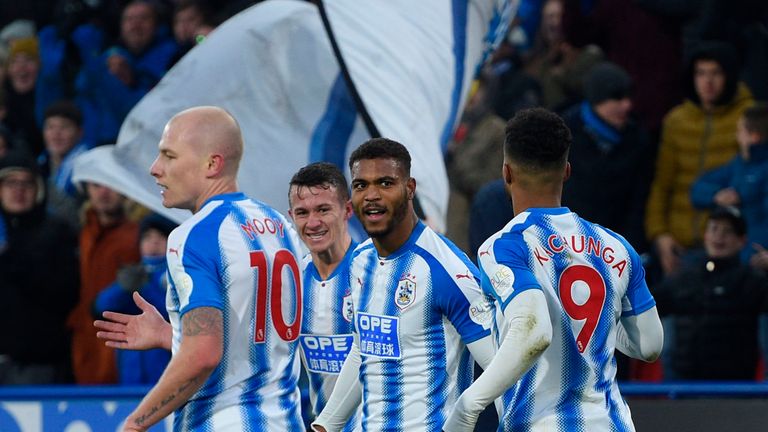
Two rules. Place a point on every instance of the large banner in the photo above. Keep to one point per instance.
(273, 68)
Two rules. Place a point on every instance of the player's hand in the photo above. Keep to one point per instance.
(463, 417)
(669, 251)
(136, 332)
(318, 428)
(727, 197)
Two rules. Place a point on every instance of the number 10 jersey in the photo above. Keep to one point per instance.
(240, 256)
(590, 277)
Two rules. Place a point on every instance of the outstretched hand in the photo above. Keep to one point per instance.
(136, 332)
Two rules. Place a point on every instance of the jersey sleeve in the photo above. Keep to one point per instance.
(505, 272)
(638, 298)
(197, 279)
(461, 299)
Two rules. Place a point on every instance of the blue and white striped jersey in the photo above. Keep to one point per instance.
(414, 312)
(240, 256)
(590, 277)
(326, 331)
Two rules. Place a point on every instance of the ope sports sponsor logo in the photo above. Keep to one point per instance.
(325, 353)
(379, 336)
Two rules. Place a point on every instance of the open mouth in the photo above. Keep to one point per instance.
(374, 212)
(316, 235)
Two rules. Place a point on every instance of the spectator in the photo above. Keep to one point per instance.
(76, 37)
(715, 301)
(148, 278)
(107, 242)
(611, 156)
(192, 21)
(743, 182)
(23, 66)
(472, 158)
(559, 65)
(62, 134)
(698, 135)
(18, 29)
(641, 37)
(114, 82)
(38, 279)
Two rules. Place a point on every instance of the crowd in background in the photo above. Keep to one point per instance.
(662, 99)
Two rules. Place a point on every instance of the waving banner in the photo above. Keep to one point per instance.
(273, 68)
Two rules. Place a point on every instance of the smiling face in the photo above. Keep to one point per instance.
(381, 198)
(22, 72)
(137, 26)
(320, 217)
(60, 135)
(179, 168)
(721, 240)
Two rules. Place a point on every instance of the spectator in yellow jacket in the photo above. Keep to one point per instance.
(697, 135)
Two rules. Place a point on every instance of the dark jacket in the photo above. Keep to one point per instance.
(39, 283)
(716, 318)
(609, 181)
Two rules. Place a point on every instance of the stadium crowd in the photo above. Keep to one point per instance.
(670, 150)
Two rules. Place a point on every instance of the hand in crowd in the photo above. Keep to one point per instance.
(727, 197)
(120, 68)
(669, 253)
(136, 332)
(760, 259)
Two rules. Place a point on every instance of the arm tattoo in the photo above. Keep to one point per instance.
(144, 418)
(202, 321)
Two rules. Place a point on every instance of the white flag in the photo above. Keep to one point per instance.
(273, 68)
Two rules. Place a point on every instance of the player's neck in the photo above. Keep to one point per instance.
(326, 261)
(523, 200)
(218, 187)
(393, 240)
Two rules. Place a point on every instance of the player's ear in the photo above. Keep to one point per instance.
(506, 173)
(411, 186)
(215, 165)
(567, 172)
(347, 210)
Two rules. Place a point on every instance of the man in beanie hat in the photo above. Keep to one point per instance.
(23, 67)
(611, 156)
(38, 280)
(148, 279)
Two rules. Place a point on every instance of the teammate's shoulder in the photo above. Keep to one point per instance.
(362, 248)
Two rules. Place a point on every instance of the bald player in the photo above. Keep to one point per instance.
(234, 296)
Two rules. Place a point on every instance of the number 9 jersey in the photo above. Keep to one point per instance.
(240, 256)
(591, 277)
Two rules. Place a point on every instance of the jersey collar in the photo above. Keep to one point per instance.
(415, 234)
(232, 196)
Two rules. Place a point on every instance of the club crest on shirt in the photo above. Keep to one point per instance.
(405, 293)
(347, 310)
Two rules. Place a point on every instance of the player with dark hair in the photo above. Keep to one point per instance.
(319, 205)
(416, 305)
(567, 293)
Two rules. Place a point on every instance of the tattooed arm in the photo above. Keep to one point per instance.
(199, 354)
